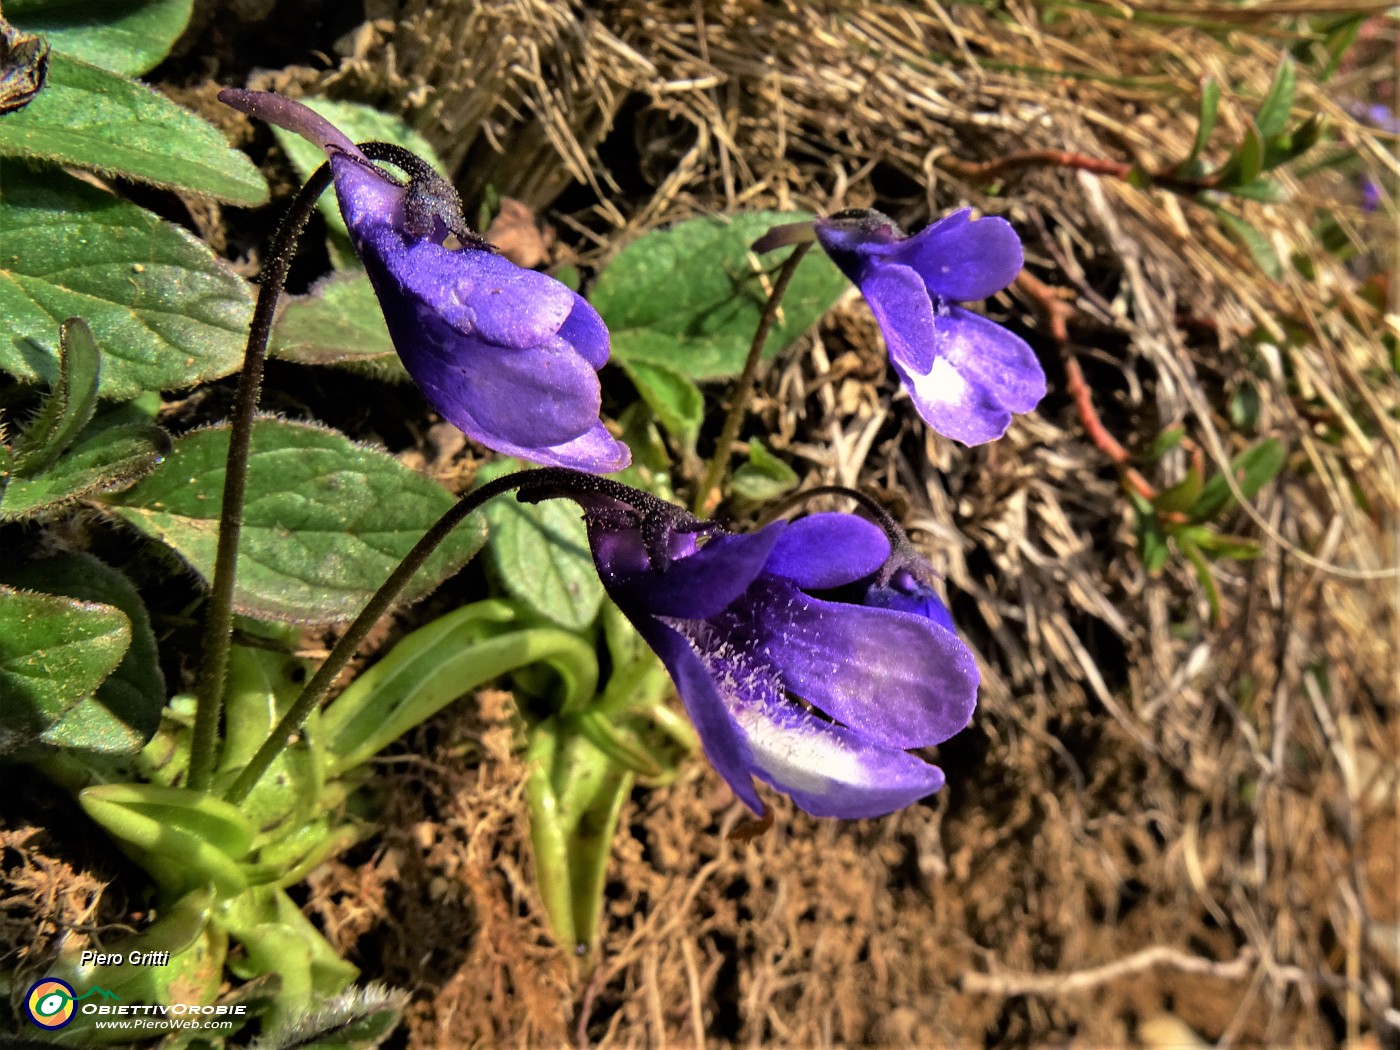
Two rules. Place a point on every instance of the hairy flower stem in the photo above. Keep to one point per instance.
(383, 599)
(218, 626)
(743, 389)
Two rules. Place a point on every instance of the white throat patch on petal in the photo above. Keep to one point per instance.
(943, 385)
(799, 756)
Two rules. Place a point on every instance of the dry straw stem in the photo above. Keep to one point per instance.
(1135, 781)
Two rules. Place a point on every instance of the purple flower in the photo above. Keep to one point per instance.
(794, 662)
(508, 355)
(966, 375)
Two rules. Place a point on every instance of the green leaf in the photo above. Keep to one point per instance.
(358, 1019)
(326, 521)
(125, 711)
(262, 684)
(690, 297)
(1339, 37)
(338, 322)
(1152, 541)
(164, 310)
(1266, 190)
(1247, 162)
(1260, 248)
(676, 402)
(1289, 146)
(1272, 117)
(1245, 405)
(441, 661)
(1177, 498)
(1253, 469)
(1204, 575)
(575, 795)
(296, 950)
(362, 124)
(69, 404)
(1164, 442)
(764, 476)
(54, 651)
(102, 121)
(541, 554)
(1214, 545)
(105, 458)
(190, 973)
(125, 36)
(182, 838)
(1210, 105)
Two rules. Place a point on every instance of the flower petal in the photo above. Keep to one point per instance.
(896, 678)
(533, 398)
(595, 451)
(987, 353)
(981, 373)
(962, 259)
(913, 597)
(487, 295)
(829, 770)
(585, 331)
(902, 307)
(368, 198)
(696, 587)
(720, 735)
(829, 550)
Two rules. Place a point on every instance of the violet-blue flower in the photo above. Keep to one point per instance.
(966, 375)
(795, 663)
(507, 355)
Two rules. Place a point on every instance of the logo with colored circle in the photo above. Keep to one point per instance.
(49, 1003)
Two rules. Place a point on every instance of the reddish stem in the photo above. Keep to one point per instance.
(984, 171)
(1057, 313)
(1029, 158)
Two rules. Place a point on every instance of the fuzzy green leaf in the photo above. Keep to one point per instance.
(125, 36)
(325, 523)
(69, 404)
(541, 553)
(1177, 498)
(1266, 191)
(764, 476)
(690, 297)
(338, 322)
(1288, 146)
(164, 310)
(125, 711)
(54, 652)
(1164, 442)
(443, 660)
(95, 119)
(104, 459)
(676, 402)
(1152, 541)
